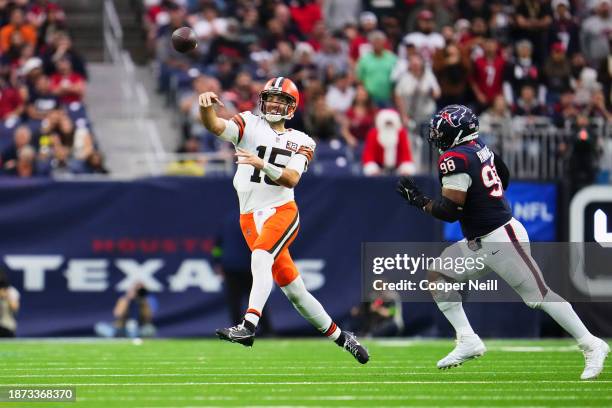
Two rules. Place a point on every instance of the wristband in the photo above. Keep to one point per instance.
(272, 171)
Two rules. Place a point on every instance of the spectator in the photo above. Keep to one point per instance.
(242, 94)
(224, 70)
(584, 156)
(25, 165)
(522, 71)
(604, 75)
(304, 69)
(441, 15)
(42, 101)
(66, 84)
(557, 72)
(359, 117)
(472, 42)
(31, 70)
(53, 24)
(533, 21)
(497, 120)
(320, 121)
(374, 70)
(488, 74)
(339, 13)
(565, 110)
(306, 14)
(172, 62)
(500, 22)
(40, 11)
(227, 44)
(583, 80)
(133, 313)
(387, 148)
(207, 24)
(596, 29)
(564, 28)
(381, 317)
(331, 55)
(597, 108)
(190, 108)
(452, 70)
(22, 137)
(471, 9)
(61, 46)
(11, 102)
(17, 23)
(283, 59)
(425, 39)
(250, 30)
(527, 104)
(9, 306)
(340, 93)
(359, 44)
(416, 92)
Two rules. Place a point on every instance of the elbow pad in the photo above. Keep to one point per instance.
(446, 210)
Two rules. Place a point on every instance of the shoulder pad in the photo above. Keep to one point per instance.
(453, 162)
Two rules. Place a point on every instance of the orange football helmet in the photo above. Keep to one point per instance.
(286, 88)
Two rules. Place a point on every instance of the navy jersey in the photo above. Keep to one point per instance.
(486, 207)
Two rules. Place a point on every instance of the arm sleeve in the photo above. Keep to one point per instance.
(298, 163)
(231, 132)
(502, 170)
(240, 122)
(458, 181)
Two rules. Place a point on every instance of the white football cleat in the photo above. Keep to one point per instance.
(594, 356)
(468, 346)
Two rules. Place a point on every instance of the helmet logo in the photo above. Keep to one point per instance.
(453, 116)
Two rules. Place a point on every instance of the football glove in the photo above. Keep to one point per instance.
(408, 189)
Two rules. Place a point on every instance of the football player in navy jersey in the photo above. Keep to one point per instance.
(473, 181)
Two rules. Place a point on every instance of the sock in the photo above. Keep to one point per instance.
(564, 315)
(261, 268)
(340, 340)
(456, 316)
(251, 319)
(310, 308)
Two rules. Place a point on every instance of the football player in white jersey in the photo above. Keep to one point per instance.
(271, 160)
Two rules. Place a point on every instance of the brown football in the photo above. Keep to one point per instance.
(184, 39)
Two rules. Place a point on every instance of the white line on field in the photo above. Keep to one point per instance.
(303, 369)
(436, 372)
(306, 383)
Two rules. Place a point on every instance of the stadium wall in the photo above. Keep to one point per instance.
(71, 249)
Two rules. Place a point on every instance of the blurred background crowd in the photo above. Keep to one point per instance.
(44, 130)
(372, 72)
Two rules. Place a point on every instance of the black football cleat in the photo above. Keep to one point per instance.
(237, 334)
(352, 345)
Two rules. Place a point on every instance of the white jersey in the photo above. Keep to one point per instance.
(291, 148)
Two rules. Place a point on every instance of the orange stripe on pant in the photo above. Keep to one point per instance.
(277, 233)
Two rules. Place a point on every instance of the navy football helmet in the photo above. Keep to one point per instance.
(451, 126)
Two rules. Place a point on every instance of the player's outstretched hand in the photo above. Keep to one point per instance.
(408, 189)
(246, 157)
(208, 99)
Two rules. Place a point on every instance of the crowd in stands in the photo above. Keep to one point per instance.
(516, 62)
(44, 129)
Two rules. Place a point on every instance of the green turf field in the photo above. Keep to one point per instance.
(162, 373)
